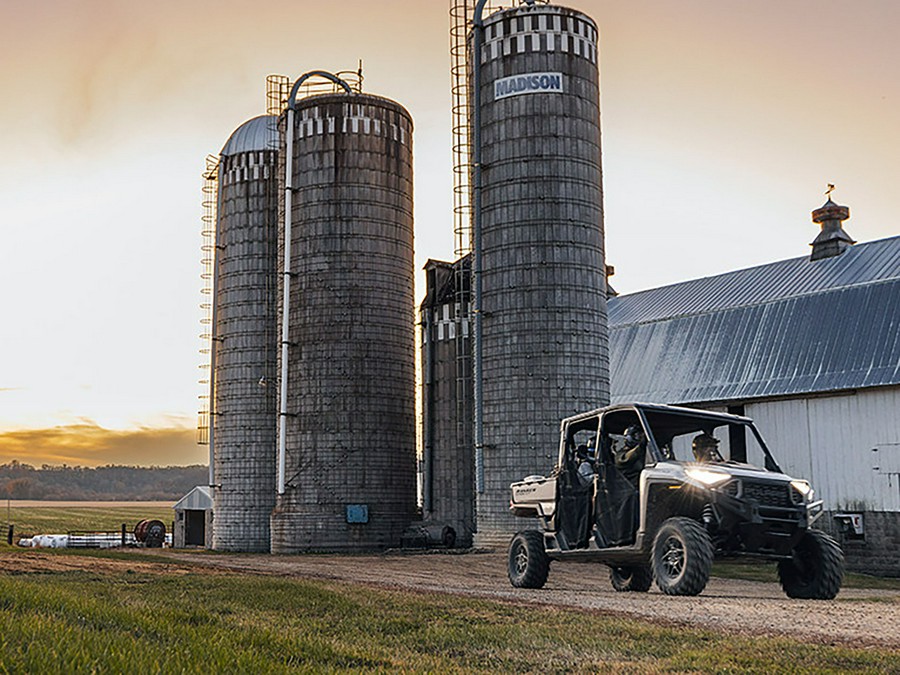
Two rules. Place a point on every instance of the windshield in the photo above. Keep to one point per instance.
(686, 438)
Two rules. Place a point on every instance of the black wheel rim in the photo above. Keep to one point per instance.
(521, 560)
(673, 557)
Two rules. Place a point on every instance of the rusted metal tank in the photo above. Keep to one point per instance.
(150, 533)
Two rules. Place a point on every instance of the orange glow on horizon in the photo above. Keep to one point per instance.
(91, 446)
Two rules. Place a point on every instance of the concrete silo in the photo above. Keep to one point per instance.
(539, 280)
(448, 483)
(245, 338)
(347, 415)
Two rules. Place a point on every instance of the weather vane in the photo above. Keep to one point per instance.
(829, 190)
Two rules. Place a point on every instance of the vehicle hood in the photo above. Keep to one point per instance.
(737, 470)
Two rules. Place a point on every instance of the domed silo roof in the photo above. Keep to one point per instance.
(253, 135)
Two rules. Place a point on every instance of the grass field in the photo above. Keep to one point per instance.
(52, 519)
(135, 614)
(148, 619)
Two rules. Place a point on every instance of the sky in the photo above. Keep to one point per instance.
(722, 121)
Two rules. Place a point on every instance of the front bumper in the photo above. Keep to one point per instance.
(759, 529)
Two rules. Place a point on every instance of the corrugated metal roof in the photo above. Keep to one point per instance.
(791, 327)
(198, 499)
(260, 133)
(860, 264)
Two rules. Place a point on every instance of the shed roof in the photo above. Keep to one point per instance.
(198, 499)
(253, 135)
(786, 328)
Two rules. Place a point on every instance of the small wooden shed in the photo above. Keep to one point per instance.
(194, 518)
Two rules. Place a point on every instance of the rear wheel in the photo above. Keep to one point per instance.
(682, 557)
(637, 578)
(528, 564)
(815, 570)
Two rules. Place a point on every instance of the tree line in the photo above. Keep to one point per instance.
(103, 483)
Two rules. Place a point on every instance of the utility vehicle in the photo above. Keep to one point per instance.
(667, 517)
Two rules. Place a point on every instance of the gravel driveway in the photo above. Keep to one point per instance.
(856, 617)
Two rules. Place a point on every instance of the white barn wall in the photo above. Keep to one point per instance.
(785, 427)
(830, 441)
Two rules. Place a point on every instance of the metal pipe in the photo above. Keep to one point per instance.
(286, 290)
(477, 393)
(286, 285)
(292, 100)
(428, 409)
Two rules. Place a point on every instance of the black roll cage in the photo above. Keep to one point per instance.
(658, 429)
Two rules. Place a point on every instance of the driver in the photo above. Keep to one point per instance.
(706, 448)
(630, 460)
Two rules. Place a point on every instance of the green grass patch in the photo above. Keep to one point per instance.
(30, 520)
(138, 622)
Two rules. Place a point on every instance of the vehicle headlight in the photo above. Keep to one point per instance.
(801, 491)
(707, 477)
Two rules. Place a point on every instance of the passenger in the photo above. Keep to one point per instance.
(706, 448)
(666, 451)
(585, 466)
(630, 460)
(592, 449)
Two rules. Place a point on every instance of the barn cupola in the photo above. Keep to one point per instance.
(832, 240)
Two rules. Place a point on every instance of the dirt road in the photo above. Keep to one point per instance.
(855, 617)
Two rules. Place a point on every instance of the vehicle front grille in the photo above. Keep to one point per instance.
(768, 494)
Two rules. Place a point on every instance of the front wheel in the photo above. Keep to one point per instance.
(636, 578)
(815, 570)
(528, 564)
(682, 557)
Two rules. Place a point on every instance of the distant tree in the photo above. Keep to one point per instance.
(125, 483)
(22, 488)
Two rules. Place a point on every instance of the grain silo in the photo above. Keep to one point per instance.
(244, 347)
(346, 475)
(448, 484)
(541, 349)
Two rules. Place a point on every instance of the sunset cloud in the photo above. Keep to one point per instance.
(90, 445)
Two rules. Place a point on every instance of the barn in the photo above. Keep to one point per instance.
(810, 349)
